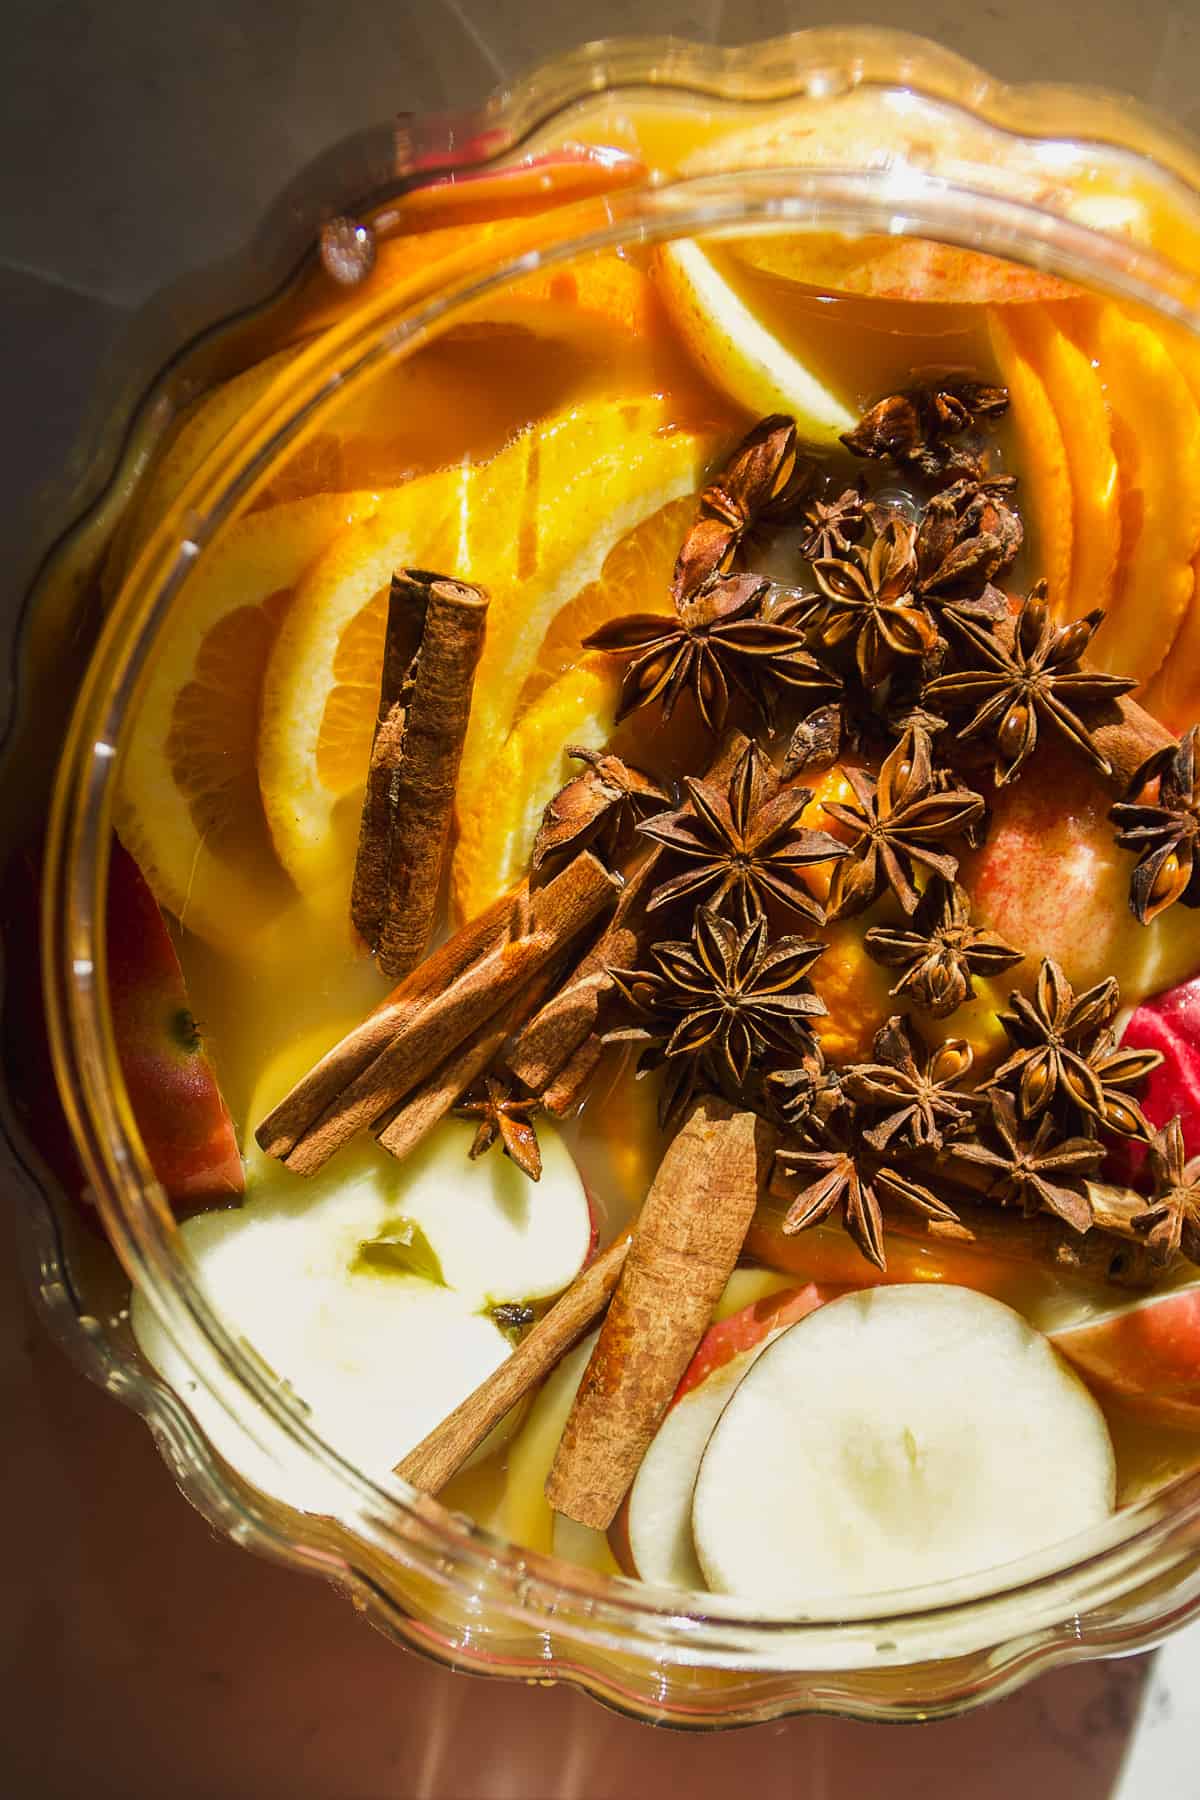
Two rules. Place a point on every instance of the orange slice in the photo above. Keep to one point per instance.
(1042, 458)
(188, 805)
(496, 830)
(635, 577)
(1156, 436)
(1075, 392)
(533, 526)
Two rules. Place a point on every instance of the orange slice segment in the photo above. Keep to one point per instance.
(1156, 437)
(188, 805)
(496, 830)
(1046, 495)
(1075, 392)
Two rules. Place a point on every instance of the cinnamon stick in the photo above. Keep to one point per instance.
(569, 1086)
(506, 919)
(424, 706)
(569, 1018)
(402, 1128)
(436, 1458)
(685, 1245)
(558, 913)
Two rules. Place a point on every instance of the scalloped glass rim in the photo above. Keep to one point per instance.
(538, 1594)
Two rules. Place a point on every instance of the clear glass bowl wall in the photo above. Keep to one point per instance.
(429, 1578)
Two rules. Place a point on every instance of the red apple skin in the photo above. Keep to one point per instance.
(1148, 1353)
(184, 1123)
(1169, 1023)
(1051, 880)
(742, 1330)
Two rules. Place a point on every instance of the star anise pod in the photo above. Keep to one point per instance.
(1171, 1220)
(1038, 1172)
(805, 1097)
(1117, 1069)
(716, 641)
(834, 526)
(762, 483)
(940, 951)
(901, 818)
(913, 429)
(1025, 673)
(913, 1088)
(816, 742)
(508, 1120)
(969, 537)
(843, 1171)
(742, 847)
(1065, 1058)
(1165, 833)
(870, 603)
(717, 1002)
(596, 809)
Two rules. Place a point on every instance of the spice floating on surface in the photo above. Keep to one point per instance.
(424, 707)
(686, 1241)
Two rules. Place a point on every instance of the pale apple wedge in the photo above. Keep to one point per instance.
(368, 1288)
(896, 1438)
(655, 1534)
(1146, 1352)
(736, 351)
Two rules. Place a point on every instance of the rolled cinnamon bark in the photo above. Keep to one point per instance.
(424, 708)
(436, 1458)
(402, 1127)
(506, 920)
(558, 913)
(685, 1244)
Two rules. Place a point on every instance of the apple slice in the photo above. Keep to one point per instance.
(736, 351)
(897, 1437)
(655, 1532)
(1147, 1351)
(367, 1289)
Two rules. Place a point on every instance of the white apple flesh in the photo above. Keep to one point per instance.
(897, 1437)
(1146, 1351)
(378, 1355)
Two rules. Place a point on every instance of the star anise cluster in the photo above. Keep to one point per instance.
(928, 429)
(761, 486)
(743, 847)
(717, 1004)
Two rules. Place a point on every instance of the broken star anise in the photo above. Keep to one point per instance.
(598, 808)
(715, 1003)
(1065, 1058)
(901, 818)
(742, 847)
(717, 640)
(762, 483)
(1164, 832)
(912, 1088)
(1037, 1172)
(915, 429)
(940, 950)
(841, 1170)
(507, 1120)
(1171, 1220)
(1019, 674)
(805, 1097)
(834, 526)
(969, 537)
(870, 604)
